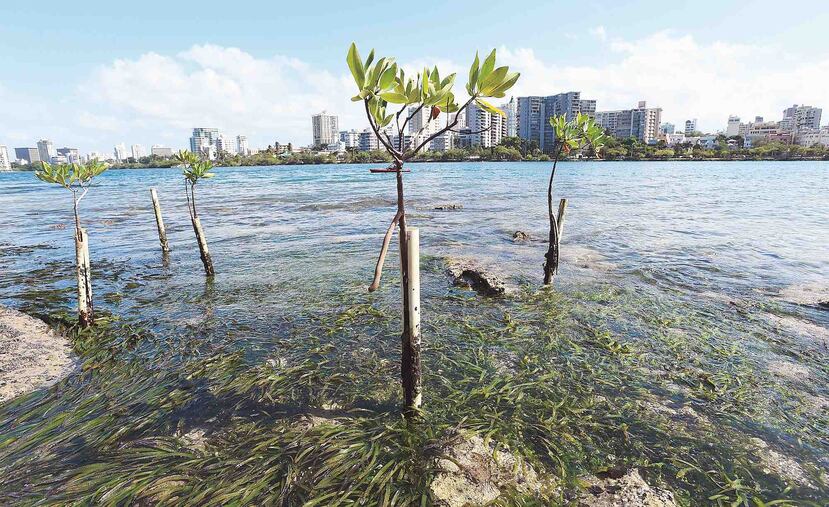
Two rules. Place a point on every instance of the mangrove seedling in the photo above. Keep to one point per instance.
(571, 137)
(77, 178)
(194, 170)
(381, 86)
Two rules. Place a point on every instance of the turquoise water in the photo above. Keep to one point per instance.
(294, 246)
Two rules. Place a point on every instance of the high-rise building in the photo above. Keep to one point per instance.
(161, 151)
(225, 145)
(27, 155)
(5, 163)
(70, 154)
(800, 118)
(483, 128)
(120, 152)
(511, 110)
(534, 113)
(203, 140)
(242, 145)
(137, 151)
(46, 150)
(690, 126)
(325, 129)
(733, 127)
(667, 128)
(641, 123)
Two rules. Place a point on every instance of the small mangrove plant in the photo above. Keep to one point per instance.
(383, 86)
(572, 136)
(77, 178)
(195, 169)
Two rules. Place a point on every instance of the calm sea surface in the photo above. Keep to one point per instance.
(700, 226)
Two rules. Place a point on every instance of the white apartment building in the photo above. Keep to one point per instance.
(368, 141)
(641, 123)
(511, 110)
(138, 151)
(733, 127)
(483, 128)
(690, 126)
(120, 152)
(800, 118)
(225, 145)
(5, 163)
(161, 151)
(351, 138)
(46, 150)
(242, 147)
(203, 141)
(673, 139)
(325, 129)
(813, 137)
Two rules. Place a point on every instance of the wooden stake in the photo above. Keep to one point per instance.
(86, 316)
(203, 251)
(562, 207)
(413, 240)
(159, 222)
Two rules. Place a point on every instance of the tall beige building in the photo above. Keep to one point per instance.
(325, 129)
(641, 122)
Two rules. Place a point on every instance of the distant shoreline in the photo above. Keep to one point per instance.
(648, 160)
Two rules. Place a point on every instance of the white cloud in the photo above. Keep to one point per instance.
(265, 98)
(688, 79)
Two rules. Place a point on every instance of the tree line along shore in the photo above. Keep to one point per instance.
(511, 149)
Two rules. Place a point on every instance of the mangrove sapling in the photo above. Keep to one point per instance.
(195, 170)
(571, 136)
(77, 179)
(380, 84)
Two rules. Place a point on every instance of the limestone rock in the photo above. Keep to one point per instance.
(620, 488)
(468, 273)
(472, 472)
(518, 236)
(779, 464)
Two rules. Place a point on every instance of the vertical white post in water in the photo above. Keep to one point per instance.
(85, 310)
(159, 222)
(413, 236)
(562, 207)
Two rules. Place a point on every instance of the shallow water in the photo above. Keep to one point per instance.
(653, 252)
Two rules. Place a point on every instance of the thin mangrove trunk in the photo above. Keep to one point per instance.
(378, 269)
(552, 255)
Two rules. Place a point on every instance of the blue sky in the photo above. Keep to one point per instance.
(92, 74)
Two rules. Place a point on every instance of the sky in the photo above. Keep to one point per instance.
(91, 74)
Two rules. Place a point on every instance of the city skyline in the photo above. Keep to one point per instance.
(121, 87)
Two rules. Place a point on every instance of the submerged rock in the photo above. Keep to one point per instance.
(779, 464)
(807, 295)
(520, 236)
(32, 355)
(620, 488)
(448, 207)
(472, 472)
(802, 329)
(468, 273)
